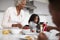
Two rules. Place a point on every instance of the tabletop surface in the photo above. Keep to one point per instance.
(16, 36)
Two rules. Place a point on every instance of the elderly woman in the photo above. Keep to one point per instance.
(14, 16)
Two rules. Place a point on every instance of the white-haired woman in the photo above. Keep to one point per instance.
(14, 16)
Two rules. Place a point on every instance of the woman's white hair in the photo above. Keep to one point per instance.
(17, 2)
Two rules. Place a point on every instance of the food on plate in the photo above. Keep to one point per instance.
(5, 32)
(28, 37)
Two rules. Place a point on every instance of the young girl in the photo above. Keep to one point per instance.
(33, 21)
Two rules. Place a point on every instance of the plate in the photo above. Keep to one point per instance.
(26, 37)
(31, 33)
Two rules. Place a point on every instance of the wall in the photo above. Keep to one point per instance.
(4, 4)
(1, 16)
(50, 22)
(44, 1)
(42, 8)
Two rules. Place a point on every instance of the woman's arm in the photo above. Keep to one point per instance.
(51, 27)
(58, 28)
(6, 18)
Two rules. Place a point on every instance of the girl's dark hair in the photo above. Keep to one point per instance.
(56, 4)
(32, 18)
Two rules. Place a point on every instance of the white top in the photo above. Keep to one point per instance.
(32, 24)
(52, 34)
(10, 17)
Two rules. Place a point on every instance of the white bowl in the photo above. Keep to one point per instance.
(15, 30)
(26, 31)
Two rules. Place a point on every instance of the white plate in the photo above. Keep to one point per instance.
(31, 33)
(23, 37)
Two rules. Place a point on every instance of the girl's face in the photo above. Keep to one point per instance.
(36, 19)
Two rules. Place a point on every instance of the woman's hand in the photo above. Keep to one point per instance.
(17, 25)
(14, 25)
(50, 28)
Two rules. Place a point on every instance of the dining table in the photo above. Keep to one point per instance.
(11, 36)
(21, 36)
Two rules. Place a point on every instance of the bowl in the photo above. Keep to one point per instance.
(26, 31)
(16, 31)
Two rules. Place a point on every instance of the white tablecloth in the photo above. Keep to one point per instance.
(12, 36)
(17, 37)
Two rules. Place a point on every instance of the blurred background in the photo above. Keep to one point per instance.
(39, 7)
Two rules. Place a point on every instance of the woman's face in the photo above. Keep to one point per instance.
(22, 4)
(36, 19)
